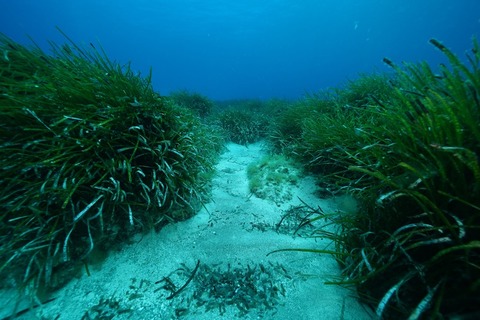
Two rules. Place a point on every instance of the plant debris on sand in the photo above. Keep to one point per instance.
(254, 287)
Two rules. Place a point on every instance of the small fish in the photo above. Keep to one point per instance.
(44, 59)
(438, 44)
(135, 103)
(67, 49)
(410, 116)
(419, 107)
(389, 62)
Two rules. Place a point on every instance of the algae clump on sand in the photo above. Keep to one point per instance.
(272, 177)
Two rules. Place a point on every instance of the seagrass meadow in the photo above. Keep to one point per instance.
(89, 155)
(407, 147)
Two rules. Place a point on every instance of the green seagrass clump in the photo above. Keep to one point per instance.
(242, 126)
(89, 154)
(417, 229)
(247, 121)
(412, 160)
(199, 104)
(326, 131)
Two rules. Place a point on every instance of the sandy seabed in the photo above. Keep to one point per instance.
(235, 232)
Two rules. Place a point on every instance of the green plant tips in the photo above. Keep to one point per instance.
(196, 102)
(425, 218)
(408, 148)
(412, 249)
(272, 177)
(89, 154)
(242, 127)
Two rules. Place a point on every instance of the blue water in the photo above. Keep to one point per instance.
(251, 48)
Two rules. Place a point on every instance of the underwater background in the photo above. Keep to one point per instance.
(250, 49)
(294, 159)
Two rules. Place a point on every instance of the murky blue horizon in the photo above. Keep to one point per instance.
(251, 49)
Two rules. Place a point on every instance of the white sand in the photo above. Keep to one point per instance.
(227, 232)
